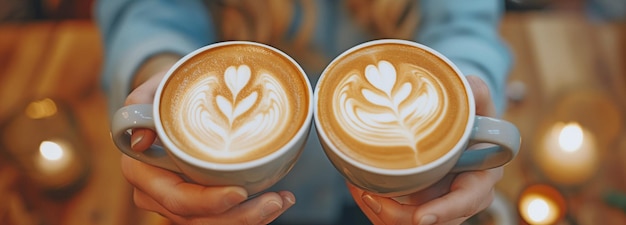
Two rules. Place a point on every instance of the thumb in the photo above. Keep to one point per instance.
(470, 193)
(482, 96)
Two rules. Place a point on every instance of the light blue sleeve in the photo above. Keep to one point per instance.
(467, 32)
(134, 30)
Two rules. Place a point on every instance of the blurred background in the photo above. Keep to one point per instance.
(567, 95)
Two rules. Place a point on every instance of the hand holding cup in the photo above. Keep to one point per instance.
(395, 117)
(226, 89)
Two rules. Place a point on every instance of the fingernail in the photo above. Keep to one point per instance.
(428, 220)
(290, 199)
(235, 197)
(136, 138)
(270, 208)
(372, 203)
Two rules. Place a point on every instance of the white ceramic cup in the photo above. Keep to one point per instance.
(255, 176)
(400, 182)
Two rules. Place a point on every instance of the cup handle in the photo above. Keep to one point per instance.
(138, 116)
(506, 139)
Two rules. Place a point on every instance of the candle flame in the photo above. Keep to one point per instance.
(51, 150)
(571, 137)
(538, 210)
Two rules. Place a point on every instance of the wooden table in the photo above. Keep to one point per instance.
(557, 55)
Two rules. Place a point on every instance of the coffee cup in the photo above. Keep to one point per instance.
(395, 116)
(231, 113)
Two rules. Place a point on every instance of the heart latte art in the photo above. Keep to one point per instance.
(235, 104)
(392, 106)
(213, 120)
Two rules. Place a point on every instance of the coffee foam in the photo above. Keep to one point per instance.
(234, 104)
(392, 106)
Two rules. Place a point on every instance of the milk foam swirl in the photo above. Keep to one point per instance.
(227, 125)
(378, 108)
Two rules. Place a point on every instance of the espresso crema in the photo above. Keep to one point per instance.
(392, 106)
(234, 103)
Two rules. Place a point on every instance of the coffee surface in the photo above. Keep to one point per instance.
(392, 106)
(234, 103)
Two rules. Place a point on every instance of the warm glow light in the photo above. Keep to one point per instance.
(538, 210)
(541, 204)
(567, 153)
(55, 156)
(50, 150)
(571, 137)
(41, 109)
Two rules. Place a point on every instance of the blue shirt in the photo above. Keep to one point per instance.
(464, 31)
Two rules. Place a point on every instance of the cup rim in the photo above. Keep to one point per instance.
(187, 158)
(450, 155)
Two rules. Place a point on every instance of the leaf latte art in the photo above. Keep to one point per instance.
(234, 122)
(391, 105)
(378, 109)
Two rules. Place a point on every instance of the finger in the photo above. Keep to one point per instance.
(260, 210)
(470, 193)
(389, 211)
(382, 210)
(264, 209)
(178, 196)
(455, 222)
(143, 201)
(370, 211)
(459, 211)
(144, 93)
(402, 210)
(141, 139)
(482, 96)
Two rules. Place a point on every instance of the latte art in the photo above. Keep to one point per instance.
(389, 112)
(235, 103)
(392, 106)
(215, 122)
